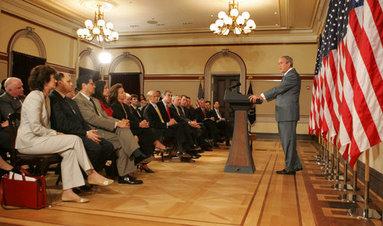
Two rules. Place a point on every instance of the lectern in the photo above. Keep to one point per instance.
(240, 159)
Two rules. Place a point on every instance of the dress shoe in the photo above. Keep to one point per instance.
(104, 183)
(128, 180)
(286, 172)
(78, 200)
(186, 158)
(163, 149)
(299, 169)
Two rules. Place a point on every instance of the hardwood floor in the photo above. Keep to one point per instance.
(201, 193)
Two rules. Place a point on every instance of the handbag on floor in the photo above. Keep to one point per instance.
(23, 190)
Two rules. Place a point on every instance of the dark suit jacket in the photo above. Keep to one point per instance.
(287, 95)
(119, 113)
(176, 116)
(200, 117)
(66, 116)
(214, 114)
(150, 114)
(9, 105)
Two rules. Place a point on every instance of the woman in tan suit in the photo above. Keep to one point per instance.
(35, 136)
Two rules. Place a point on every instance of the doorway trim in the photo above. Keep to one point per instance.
(211, 61)
(29, 33)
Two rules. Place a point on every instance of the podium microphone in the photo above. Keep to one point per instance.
(235, 86)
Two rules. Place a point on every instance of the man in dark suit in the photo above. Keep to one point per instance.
(286, 112)
(65, 110)
(12, 99)
(204, 116)
(163, 126)
(222, 123)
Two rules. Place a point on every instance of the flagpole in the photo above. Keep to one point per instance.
(331, 173)
(365, 212)
(344, 186)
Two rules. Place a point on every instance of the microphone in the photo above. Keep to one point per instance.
(235, 86)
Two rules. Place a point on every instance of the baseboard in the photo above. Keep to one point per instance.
(276, 136)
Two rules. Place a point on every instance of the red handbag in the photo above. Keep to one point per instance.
(23, 193)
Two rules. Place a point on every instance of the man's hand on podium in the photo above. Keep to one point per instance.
(256, 99)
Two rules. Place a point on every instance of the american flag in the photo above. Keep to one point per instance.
(200, 95)
(349, 85)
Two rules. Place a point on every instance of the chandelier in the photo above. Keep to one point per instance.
(233, 21)
(98, 29)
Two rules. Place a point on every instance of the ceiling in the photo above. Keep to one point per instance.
(182, 17)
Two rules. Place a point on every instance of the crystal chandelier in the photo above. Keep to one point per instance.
(233, 21)
(98, 29)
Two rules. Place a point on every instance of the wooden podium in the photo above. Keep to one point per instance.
(240, 158)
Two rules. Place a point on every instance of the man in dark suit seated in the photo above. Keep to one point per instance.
(66, 118)
(115, 131)
(163, 126)
(222, 123)
(12, 99)
(204, 116)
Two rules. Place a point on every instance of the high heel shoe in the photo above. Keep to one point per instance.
(78, 200)
(104, 183)
(145, 168)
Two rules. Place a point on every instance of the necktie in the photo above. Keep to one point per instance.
(167, 109)
(138, 112)
(218, 114)
(183, 111)
(203, 111)
(178, 112)
(159, 114)
(94, 105)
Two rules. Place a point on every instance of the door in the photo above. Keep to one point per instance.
(220, 84)
(130, 81)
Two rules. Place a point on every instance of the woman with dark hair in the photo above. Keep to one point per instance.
(102, 94)
(35, 136)
(138, 126)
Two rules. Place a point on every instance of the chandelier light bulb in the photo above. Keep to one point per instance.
(228, 20)
(240, 20)
(219, 23)
(79, 32)
(222, 15)
(88, 24)
(234, 12)
(246, 15)
(225, 31)
(237, 30)
(109, 25)
(101, 23)
(251, 24)
(213, 27)
(96, 30)
(115, 35)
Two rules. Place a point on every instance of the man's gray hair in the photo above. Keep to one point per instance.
(288, 60)
(9, 83)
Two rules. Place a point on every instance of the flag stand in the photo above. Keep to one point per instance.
(344, 186)
(326, 165)
(318, 156)
(365, 212)
(338, 177)
(353, 197)
(331, 175)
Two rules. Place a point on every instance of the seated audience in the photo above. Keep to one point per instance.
(203, 116)
(36, 137)
(127, 99)
(138, 126)
(115, 131)
(102, 94)
(65, 110)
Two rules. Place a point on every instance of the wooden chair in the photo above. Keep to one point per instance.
(41, 161)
